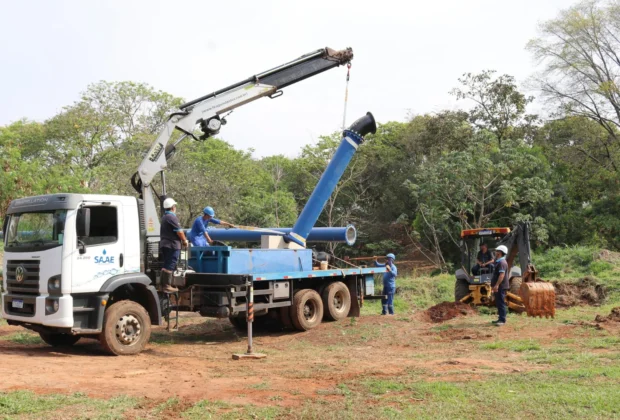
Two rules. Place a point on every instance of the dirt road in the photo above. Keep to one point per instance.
(196, 364)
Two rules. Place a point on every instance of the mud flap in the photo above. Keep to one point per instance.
(357, 298)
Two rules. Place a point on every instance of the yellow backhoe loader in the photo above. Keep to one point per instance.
(527, 293)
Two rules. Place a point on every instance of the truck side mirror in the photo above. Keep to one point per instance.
(82, 224)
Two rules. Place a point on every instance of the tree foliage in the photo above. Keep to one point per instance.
(412, 186)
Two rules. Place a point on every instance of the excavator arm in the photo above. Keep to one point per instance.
(207, 112)
(518, 244)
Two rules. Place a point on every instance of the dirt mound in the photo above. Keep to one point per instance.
(614, 316)
(449, 310)
(586, 291)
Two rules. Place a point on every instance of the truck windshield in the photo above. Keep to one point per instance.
(40, 229)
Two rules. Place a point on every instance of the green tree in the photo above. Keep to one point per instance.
(499, 105)
(482, 185)
(23, 172)
(578, 52)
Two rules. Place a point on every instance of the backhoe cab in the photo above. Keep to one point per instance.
(527, 292)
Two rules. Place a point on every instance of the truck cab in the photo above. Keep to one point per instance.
(67, 258)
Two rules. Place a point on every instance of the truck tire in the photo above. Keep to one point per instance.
(285, 317)
(59, 340)
(336, 301)
(239, 322)
(461, 289)
(126, 328)
(307, 310)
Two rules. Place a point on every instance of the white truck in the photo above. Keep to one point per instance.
(87, 265)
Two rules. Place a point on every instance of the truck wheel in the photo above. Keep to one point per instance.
(461, 289)
(59, 340)
(307, 310)
(126, 328)
(239, 322)
(285, 317)
(336, 301)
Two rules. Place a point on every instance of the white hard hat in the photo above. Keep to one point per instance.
(169, 203)
(503, 249)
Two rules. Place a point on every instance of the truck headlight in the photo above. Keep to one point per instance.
(51, 306)
(53, 285)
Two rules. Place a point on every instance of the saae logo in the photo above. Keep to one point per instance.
(104, 259)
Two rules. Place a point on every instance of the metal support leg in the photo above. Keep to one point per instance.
(250, 318)
(176, 308)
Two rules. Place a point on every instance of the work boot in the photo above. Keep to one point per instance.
(166, 279)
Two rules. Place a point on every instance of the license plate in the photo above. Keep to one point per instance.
(18, 303)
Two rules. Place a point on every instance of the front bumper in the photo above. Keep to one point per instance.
(35, 312)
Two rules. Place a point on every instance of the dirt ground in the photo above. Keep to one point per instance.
(195, 363)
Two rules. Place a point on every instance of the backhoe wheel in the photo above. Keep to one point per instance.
(59, 340)
(515, 285)
(307, 309)
(126, 328)
(461, 289)
(336, 301)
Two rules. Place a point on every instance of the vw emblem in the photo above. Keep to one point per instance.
(20, 273)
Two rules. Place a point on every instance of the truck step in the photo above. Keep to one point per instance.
(82, 309)
(375, 297)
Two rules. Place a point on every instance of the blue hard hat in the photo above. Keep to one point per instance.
(392, 256)
(209, 211)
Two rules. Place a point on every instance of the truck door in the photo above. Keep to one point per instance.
(105, 246)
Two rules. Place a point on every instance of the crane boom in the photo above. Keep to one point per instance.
(207, 111)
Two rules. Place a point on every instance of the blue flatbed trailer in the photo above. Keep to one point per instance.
(220, 278)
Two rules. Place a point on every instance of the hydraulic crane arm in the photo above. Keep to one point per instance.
(207, 111)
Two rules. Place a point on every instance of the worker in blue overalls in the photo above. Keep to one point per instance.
(198, 235)
(389, 284)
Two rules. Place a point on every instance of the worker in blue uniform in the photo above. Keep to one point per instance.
(199, 235)
(389, 283)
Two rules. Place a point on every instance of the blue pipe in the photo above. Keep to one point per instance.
(347, 234)
(352, 138)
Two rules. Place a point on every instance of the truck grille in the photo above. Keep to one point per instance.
(22, 277)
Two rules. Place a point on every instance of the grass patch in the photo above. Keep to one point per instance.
(414, 293)
(27, 402)
(262, 385)
(77, 406)
(604, 343)
(512, 345)
(171, 402)
(219, 410)
(23, 338)
(557, 394)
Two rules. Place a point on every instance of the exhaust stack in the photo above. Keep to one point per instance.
(352, 138)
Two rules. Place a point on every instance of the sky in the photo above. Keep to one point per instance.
(408, 56)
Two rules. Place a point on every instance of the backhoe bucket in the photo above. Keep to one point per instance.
(538, 296)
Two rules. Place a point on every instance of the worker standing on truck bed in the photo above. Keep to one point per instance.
(198, 235)
(389, 284)
(500, 284)
(171, 237)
